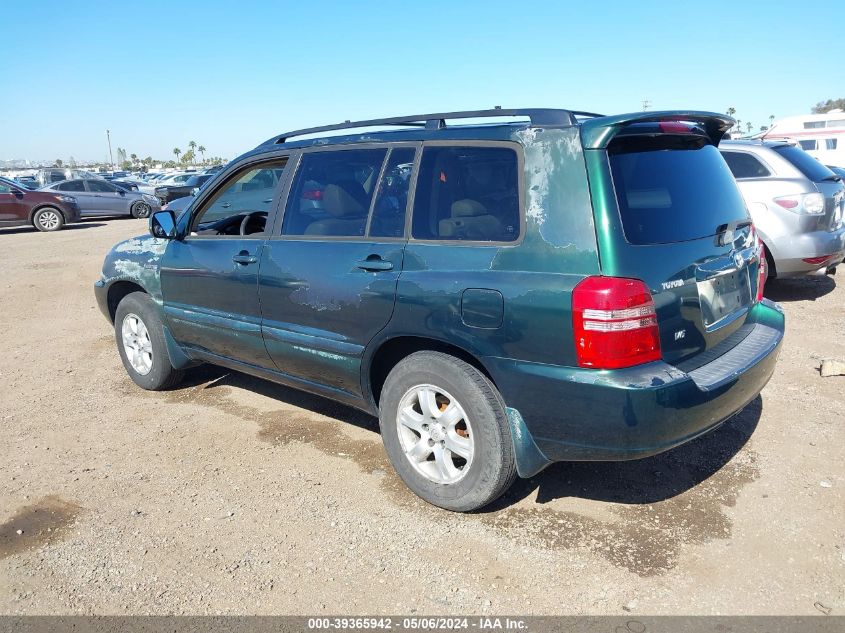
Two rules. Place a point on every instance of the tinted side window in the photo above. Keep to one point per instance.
(332, 192)
(467, 193)
(5, 188)
(71, 185)
(392, 199)
(99, 186)
(745, 165)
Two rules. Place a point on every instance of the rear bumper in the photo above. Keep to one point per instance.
(581, 414)
(790, 253)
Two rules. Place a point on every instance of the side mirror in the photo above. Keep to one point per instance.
(195, 191)
(121, 192)
(163, 224)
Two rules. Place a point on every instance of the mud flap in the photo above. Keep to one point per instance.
(529, 459)
(178, 358)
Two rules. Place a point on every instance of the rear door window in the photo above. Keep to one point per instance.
(332, 193)
(467, 194)
(673, 195)
(744, 165)
(804, 163)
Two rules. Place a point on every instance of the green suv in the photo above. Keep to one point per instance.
(556, 286)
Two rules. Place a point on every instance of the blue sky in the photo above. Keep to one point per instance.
(231, 74)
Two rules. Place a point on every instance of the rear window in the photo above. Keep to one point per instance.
(744, 165)
(804, 163)
(673, 195)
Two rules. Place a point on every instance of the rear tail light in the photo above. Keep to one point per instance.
(614, 322)
(807, 203)
(821, 259)
(312, 194)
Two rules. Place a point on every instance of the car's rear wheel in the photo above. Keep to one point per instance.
(48, 219)
(444, 427)
(140, 340)
(140, 210)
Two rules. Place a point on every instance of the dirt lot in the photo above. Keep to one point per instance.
(234, 495)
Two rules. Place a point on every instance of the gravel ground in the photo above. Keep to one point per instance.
(231, 495)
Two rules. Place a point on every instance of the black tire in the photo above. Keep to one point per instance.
(48, 219)
(492, 468)
(140, 210)
(161, 375)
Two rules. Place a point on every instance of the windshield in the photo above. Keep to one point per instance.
(804, 163)
(673, 195)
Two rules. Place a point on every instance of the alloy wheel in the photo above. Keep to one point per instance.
(435, 434)
(137, 344)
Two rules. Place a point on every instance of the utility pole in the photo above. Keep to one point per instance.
(646, 104)
(111, 160)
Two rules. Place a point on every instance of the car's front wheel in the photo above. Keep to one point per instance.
(140, 340)
(444, 427)
(140, 210)
(48, 219)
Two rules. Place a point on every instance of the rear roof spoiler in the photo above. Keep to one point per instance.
(598, 132)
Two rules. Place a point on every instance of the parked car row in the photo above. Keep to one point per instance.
(498, 305)
(45, 210)
(101, 197)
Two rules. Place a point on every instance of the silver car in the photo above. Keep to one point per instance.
(797, 205)
(100, 197)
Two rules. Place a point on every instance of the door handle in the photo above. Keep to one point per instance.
(244, 258)
(374, 264)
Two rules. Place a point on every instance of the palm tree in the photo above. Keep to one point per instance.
(731, 111)
(177, 151)
(193, 146)
(771, 119)
(748, 127)
(201, 150)
(58, 162)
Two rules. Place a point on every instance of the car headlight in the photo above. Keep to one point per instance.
(66, 198)
(148, 198)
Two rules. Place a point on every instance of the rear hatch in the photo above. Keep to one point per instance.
(668, 212)
(826, 182)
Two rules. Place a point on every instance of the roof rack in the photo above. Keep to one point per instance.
(538, 117)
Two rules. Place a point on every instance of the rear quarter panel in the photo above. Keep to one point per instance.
(534, 276)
